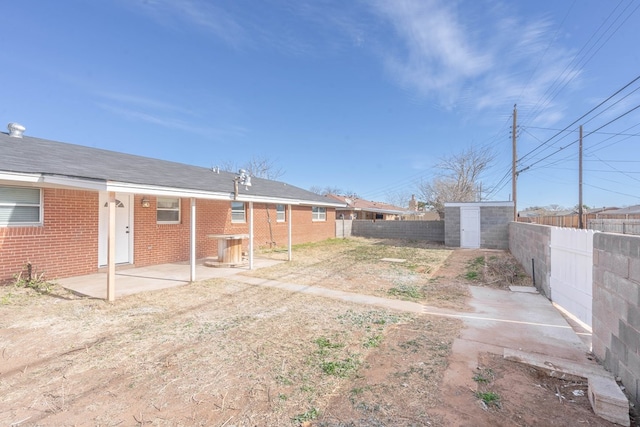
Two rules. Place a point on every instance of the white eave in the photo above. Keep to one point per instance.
(477, 204)
(58, 181)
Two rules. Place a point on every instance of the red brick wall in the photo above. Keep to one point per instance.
(67, 242)
(161, 243)
(303, 229)
(65, 245)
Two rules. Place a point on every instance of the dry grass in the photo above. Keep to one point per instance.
(224, 353)
(355, 265)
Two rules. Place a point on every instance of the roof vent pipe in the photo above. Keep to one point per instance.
(15, 130)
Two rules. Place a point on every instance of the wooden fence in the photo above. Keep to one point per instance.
(610, 223)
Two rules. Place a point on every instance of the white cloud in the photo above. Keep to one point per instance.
(201, 15)
(474, 56)
(142, 110)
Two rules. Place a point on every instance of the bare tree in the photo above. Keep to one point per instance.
(257, 166)
(323, 191)
(458, 180)
(399, 198)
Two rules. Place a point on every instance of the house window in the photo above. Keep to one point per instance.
(168, 210)
(20, 206)
(318, 213)
(280, 215)
(238, 213)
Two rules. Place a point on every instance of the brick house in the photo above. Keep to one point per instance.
(354, 208)
(70, 210)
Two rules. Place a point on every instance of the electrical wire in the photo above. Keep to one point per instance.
(581, 117)
(554, 92)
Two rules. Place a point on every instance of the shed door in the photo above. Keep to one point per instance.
(470, 227)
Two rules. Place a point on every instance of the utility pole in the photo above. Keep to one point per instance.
(514, 174)
(580, 222)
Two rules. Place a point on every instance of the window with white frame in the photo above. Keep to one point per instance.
(238, 212)
(20, 206)
(168, 210)
(318, 213)
(280, 215)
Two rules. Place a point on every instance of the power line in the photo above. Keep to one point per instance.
(552, 93)
(635, 196)
(555, 129)
(555, 89)
(570, 144)
(580, 118)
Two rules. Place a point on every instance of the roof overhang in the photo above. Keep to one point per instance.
(57, 181)
(474, 204)
(375, 210)
(50, 181)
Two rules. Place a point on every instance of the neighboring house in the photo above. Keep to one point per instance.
(629, 211)
(417, 213)
(365, 209)
(65, 208)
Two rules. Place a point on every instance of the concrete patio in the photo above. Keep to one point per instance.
(132, 280)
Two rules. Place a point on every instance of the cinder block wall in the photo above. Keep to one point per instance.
(616, 307)
(531, 241)
(494, 226)
(432, 231)
(452, 226)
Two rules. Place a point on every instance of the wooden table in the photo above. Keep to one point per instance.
(229, 250)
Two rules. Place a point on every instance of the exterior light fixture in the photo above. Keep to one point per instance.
(145, 202)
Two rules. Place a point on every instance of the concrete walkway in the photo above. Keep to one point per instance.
(133, 280)
(499, 319)
(520, 325)
(500, 322)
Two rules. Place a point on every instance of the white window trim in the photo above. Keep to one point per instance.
(25, 224)
(244, 214)
(319, 215)
(283, 212)
(179, 209)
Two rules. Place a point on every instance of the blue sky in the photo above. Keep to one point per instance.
(365, 96)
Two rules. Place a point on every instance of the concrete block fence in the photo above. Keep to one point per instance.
(615, 294)
(530, 245)
(616, 307)
(432, 231)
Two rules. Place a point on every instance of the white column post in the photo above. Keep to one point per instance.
(289, 234)
(250, 235)
(111, 247)
(192, 275)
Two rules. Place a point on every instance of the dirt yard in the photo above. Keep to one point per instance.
(223, 353)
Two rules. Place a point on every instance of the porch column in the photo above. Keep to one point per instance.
(111, 248)
(192, 275)
(250, 235)
(289, 234)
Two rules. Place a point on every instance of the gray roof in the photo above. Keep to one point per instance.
(50, 158)
(628, 210)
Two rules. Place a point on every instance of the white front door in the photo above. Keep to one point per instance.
(470, 227)
(123, 228)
